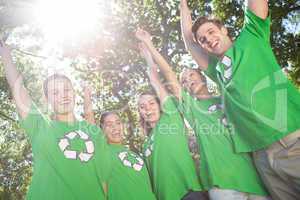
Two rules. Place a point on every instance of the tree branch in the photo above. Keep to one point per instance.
(6, 117)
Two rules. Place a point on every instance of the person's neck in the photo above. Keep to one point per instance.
(203, 94)
(228, 44)
(68, 117)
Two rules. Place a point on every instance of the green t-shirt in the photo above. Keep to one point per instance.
(70, 161)
(220, 166)
(259, 100)
(129, 177)
(169, 162)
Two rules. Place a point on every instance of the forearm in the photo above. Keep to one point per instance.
(15, 82)
(11, 72)
(160, 90)
(186, 26)
(166, 70)
(162, 63)
(198, 54)
(258, 7)
(154, 79)
(88, 110)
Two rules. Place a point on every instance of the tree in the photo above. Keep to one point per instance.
(113, 66)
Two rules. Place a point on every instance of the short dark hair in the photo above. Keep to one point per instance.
(202, 20)
(106, 114)
(53, 77)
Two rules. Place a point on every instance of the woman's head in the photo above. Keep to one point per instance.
(193, 81)
(112, 126)
(149, 109)
(59, 93)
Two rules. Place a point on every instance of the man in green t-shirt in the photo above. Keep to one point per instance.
(258, 98)
(70, 158)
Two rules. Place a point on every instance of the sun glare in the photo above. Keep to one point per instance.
(68, 19)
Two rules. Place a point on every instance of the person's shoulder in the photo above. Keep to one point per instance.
(255, 26)
(91, 128)
(170, 105)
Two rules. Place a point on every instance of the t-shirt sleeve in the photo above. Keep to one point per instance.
(257, 26)
(211, 71)
(33, 121)
(170, 105)
(103, 160)
(185, 105)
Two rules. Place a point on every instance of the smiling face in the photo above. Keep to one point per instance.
(60, 95)
(113, 128)
(149, 109)
(213, 38)
(193, 81)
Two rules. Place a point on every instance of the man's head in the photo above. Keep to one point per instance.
(193, 81)
(59, 93)
(112, 127)
(211, 35)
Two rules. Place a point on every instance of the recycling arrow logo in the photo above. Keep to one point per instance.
(83, 156)
(137, 164)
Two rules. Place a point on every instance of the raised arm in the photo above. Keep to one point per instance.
(198, 54)
(153, 73)
(162, 63)
(15, 82)
(258, 7)
(89, 114)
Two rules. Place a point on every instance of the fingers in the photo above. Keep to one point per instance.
(142, 34)
(183, 4)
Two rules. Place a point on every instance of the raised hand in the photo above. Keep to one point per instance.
(183, 4)
(153, 69)
(143, 36)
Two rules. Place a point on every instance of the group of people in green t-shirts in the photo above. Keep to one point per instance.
(248, 137)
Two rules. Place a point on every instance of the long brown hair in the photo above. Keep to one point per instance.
(145, 125)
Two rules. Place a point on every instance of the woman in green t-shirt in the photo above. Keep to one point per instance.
(226, 174)
(129, 178)
(171, 167)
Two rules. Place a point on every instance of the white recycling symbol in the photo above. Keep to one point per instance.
(83, 156)
(137, 165)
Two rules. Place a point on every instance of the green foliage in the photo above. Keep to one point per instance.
(118, 73)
